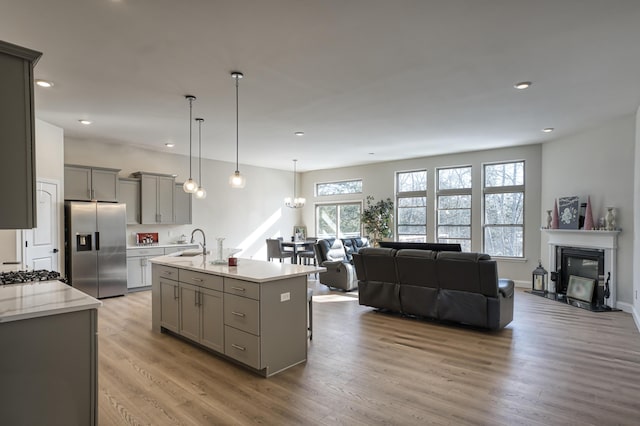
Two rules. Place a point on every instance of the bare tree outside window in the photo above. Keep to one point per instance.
(338, 188)
(454, 206)
(411, 206)
(504, 209)
(338, 220)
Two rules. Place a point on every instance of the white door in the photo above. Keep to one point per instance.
(41, 244)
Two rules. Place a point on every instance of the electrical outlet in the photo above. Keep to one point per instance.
(285, 296)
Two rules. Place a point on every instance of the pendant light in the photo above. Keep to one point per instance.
(296, 202)
(200, 192)
(190, 186)
(236, 180)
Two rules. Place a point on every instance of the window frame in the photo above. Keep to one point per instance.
(507, 189)
(411, 194)
(453, 192)
(317, 184)
(336, 204)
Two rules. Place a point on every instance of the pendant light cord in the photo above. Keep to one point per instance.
(200, 120)
(294, 179)
(191, 98)
(237, 78)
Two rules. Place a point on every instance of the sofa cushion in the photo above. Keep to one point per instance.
(417, 267)
(463, 307)
(379, 264)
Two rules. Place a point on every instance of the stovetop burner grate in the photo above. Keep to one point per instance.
(19, 277)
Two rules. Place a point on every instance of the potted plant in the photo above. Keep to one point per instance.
(377, 219)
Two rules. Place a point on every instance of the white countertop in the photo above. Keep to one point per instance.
(258, 271)
(43, 298)
(168, 245)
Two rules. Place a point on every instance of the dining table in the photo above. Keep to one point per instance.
(298, 245)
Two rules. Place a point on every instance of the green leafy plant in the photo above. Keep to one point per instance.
(377, 219)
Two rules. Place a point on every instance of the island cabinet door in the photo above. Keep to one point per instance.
(169, 305)
(190, 311)
(212, 319)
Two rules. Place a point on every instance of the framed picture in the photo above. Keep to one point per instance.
(568, 212)
(300, 232)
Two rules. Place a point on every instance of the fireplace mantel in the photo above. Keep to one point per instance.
(603, 240)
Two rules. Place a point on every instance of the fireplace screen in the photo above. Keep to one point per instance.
(580, 262)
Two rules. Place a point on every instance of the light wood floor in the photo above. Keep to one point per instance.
(554, 364)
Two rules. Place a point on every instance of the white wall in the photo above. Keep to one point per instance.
(49, 165)
(378, 181)
(245, 218)
(636, 224)
(599, 163)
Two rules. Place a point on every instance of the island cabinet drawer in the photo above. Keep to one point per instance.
(212, 282)
(242, 288)
(242, 313)
(152, 251)
(242, 346)
(167, 272)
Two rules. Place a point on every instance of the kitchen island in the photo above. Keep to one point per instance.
(254, 313)
(49, 356)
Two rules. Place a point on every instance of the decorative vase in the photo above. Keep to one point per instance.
(549, 219)
(555, 220)
(588, 216)
(610, 219)
(220, 255)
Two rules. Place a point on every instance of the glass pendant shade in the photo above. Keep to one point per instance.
(237, 181)
(201, 193)
(190, 186)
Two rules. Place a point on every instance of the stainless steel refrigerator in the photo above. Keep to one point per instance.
(95, 247)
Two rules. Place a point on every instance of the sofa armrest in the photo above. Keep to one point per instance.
(506, 287)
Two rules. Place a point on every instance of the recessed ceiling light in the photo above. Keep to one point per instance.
(44, 83)
(169, 145)
(372, 153)
(299, 133)
(548, 129)
(85, 122)
(522, 85)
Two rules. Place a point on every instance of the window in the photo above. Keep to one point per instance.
(504, 209)
(453, 217)
(338, 188)
(411, 206)
(338, 220)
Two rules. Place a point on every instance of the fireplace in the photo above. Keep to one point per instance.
(580, 262)
(587, 254)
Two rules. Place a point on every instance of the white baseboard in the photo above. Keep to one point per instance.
(522, 284)
(630, 309)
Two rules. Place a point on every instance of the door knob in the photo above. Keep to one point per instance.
(55, 250)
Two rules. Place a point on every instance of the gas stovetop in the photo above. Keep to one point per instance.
(19, 277)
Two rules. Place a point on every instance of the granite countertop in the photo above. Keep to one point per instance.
(258, 271)
(43, 298)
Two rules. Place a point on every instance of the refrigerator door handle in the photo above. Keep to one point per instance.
(97, 240)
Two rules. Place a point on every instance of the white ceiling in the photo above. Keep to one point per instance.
(397, 78)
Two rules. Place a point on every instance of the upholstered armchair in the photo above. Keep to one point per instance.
(340, 273)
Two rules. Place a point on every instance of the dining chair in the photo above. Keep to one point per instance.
(275, 251)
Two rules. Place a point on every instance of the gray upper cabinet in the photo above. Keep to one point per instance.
(130, 195)
(84, 183)
(17, 123)
(156, 197)
(182, 207)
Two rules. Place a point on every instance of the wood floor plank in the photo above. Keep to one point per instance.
(554, 364)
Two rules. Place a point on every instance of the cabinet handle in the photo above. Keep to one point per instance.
(89, 193)
(168, 272)
(238, 347)
(197, 298)
(93, 194)
(238, 314)
(160, 217)
(176, 295)
(197, 279)
(238, 288)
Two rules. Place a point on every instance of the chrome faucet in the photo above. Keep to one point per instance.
(204, 240)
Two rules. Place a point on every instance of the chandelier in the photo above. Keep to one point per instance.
(295, 202)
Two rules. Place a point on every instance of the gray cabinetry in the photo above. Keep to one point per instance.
(156, 198)
(139, 267)
(182, 206)
(167, 297)
(84, 183)
(262, 325)
(17, 164)
(130, 195)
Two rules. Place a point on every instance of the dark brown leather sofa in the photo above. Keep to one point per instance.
(447, 286)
